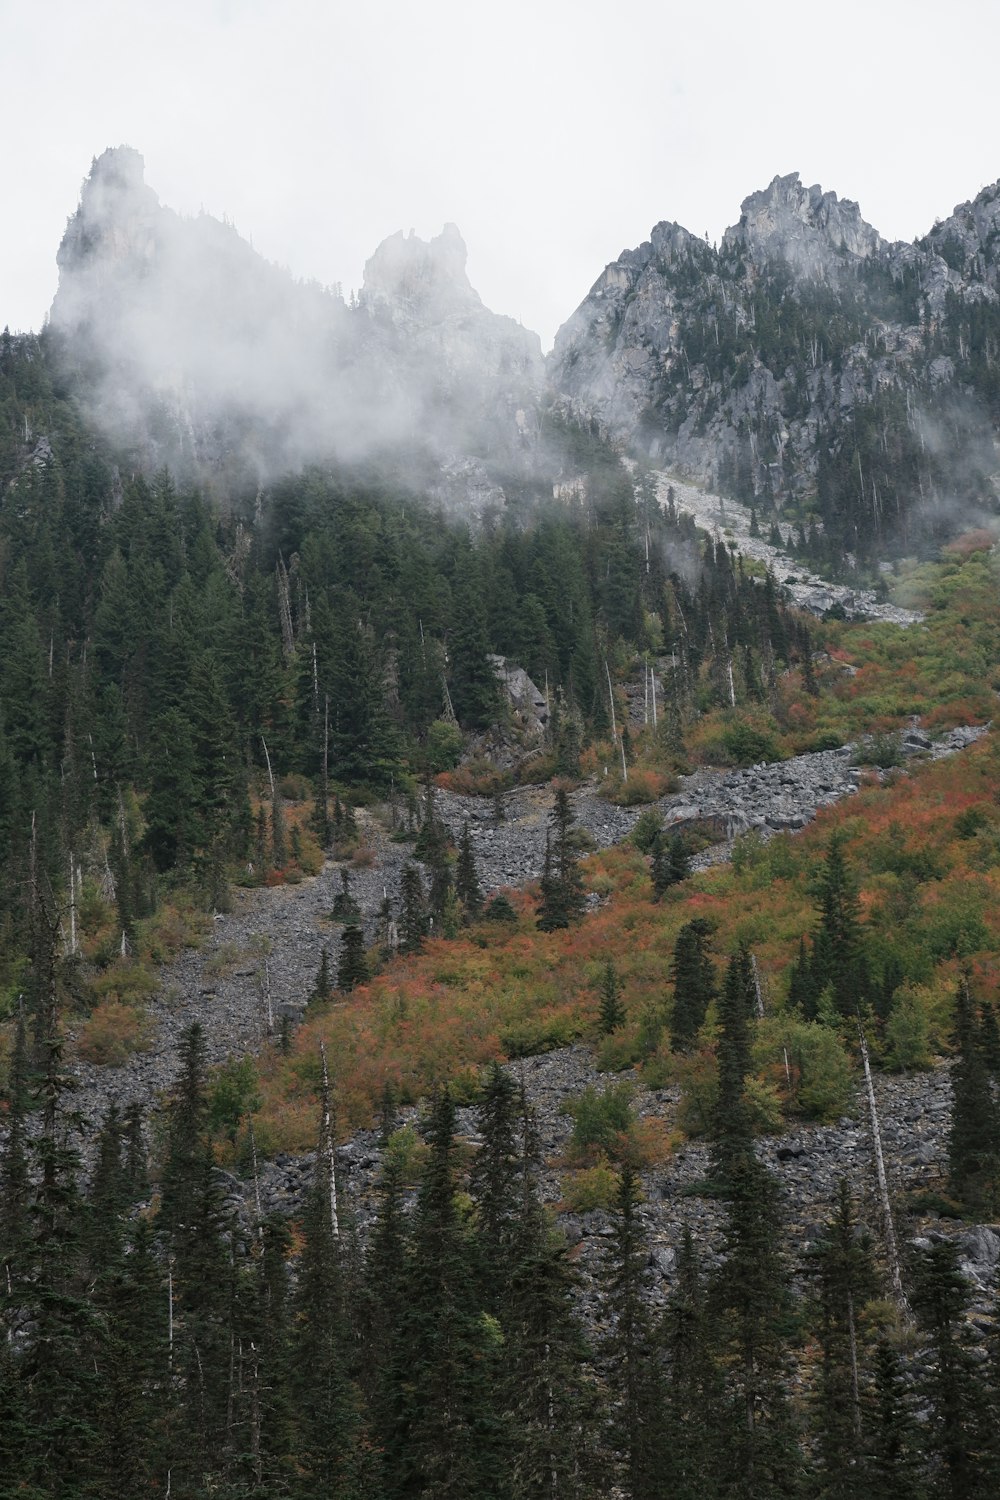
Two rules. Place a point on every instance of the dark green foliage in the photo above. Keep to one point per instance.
(845, 1279)
(612, 1012)
(352, 968)
(629, 1348)
(671, 863)
(323, 987)
(951, 1384)
(562, 897)
(694, 982)
(414, 925)
(838, 957)
(467, 887)
(974, 1137)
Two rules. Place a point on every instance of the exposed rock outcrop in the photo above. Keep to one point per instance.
(193, 351)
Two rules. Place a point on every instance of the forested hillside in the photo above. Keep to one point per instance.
(198, 698)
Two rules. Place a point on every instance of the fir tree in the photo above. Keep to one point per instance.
(562, 895)
(845, 1277)
(694, 982)
(639, 1397)
(974, 1137)
(467, 887)
(671, 863)
(413, 922)
(612, 1012)
(353, 966)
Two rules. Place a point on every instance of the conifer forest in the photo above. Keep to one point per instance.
(504, 1003)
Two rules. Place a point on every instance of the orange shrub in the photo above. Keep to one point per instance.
(112, 1033)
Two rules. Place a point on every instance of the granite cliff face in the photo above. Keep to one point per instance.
(806, 365)
(193, 351)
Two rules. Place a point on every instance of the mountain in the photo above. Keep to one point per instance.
(192, 351)
(806, 365)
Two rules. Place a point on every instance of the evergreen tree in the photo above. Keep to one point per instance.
(562, 895)
(612, 1012)
(974, 1136)
(639, 1396)
(694, 982)
(845, 1277)
(671, 863)
(838, 956)
(951, 1384)
(353, 966)
(894, 1445)
(749, 1304)
(413, 922)
(467, 887)
(452, 1435)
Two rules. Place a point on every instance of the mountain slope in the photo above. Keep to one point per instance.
(806, 364)
(193, 351)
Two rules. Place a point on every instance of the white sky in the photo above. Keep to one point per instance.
(554, 133)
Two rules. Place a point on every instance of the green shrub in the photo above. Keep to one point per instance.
(648, 827)
(528, 1037)
(819, 1079)
(602, 1122)
(591, 1188)
(907, 1034)
(233, 1095)
(747, 744)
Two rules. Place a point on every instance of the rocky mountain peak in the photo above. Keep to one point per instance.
(112, 234)
(812, 230)
(422, 279)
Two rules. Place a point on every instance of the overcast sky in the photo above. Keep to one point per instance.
(555, 133)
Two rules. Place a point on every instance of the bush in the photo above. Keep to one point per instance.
(112, 1033)
(748, 744)
(819, 1080)
(533, 1035)
(648, 827)
(233, 1095)
(444, 745)
(590, 1189)
(642, 786)
(907, 1034)
(602, 1122)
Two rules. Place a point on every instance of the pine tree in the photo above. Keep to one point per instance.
(894, 1444)
(749, 1304)
(951, 1384)
(612, 1012)
(494, 1182)
(694, 982)
(467, 887)
(638, 1420)
(691, 1385)
(845, 1277)
(413, 922)
(353, 966)
(322, 989)
(735, 1010)
(974, 1137)
(452, 1441)
(562, 895)
(838, 956)
(671, 863)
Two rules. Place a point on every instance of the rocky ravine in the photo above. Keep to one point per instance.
(808, 1162)
(731, 520)
(221, 984)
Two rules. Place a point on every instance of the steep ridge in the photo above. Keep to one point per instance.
(806, 365)
(191, 350)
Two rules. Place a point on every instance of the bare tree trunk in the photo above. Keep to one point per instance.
(888, 1227)
(327, 1146)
